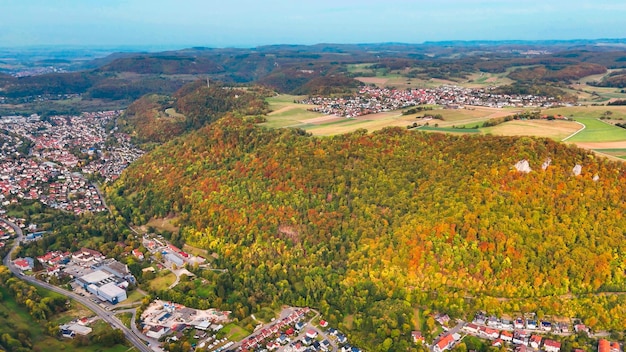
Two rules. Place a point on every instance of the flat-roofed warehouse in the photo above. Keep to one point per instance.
(104, 285)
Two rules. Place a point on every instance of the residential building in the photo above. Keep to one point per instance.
(445, 343)
(551, 346)
(417, 336)
(535, 341)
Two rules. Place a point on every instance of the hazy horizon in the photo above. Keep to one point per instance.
(247, 23)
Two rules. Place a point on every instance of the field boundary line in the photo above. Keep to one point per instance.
(575, 133)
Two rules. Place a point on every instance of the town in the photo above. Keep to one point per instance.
(47, 159)
(372, 100)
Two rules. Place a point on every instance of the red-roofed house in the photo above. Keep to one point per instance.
(506, 336)
(417, 336)
(22, 264)
(604, 346)
(581, 327)
(551, 346)
(86, 254)
(535, 341)
(471, 328)
(489, 333)
(311, 334)
(323, 323)
(615, 347)
(444, 344)
(137, 253)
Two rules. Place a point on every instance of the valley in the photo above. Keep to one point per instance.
(371, 194)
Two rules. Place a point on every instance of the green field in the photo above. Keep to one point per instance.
(598, 131)
(286, 113)
(134, 296)
(234, 332)
(126, 318)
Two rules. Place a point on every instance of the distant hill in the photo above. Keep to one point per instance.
(367, 227)
(318, 69)
(159, 64)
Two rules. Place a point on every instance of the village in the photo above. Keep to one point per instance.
(372, 100)
(522, 334)
(47, 159)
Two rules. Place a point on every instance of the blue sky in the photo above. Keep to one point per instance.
(221, 23)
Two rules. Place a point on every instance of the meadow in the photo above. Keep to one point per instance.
(163, 280)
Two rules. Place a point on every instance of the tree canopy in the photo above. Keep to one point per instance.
(370, 225)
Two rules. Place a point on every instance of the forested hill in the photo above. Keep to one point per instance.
(372, 225)
(159, 118)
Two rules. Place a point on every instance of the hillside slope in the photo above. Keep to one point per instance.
(371, 225)
(159, 118)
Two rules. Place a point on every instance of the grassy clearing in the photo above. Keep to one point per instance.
(172, 113)
(166, 224)
(92, 242)
(134, 296)
(418, 319)
(163, 281)
(125, 318)
(360, 68)
(196, 251)
(203, 288)
(235, 332)
(76, 311)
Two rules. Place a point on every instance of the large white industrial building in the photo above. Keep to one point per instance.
(105, 286)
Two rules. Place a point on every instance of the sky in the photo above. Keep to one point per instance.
(249, 23)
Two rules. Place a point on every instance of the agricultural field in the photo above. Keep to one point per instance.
(286, 113)
(589, 93)
(485, 79)
(599, 135)
(556, 129)
(597, 131)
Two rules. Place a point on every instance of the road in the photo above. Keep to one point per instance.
(105, 315)
(452, 331)
(310, 326)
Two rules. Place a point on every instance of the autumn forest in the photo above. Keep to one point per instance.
(367, 227)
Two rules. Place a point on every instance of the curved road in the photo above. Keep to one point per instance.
(108, 316)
